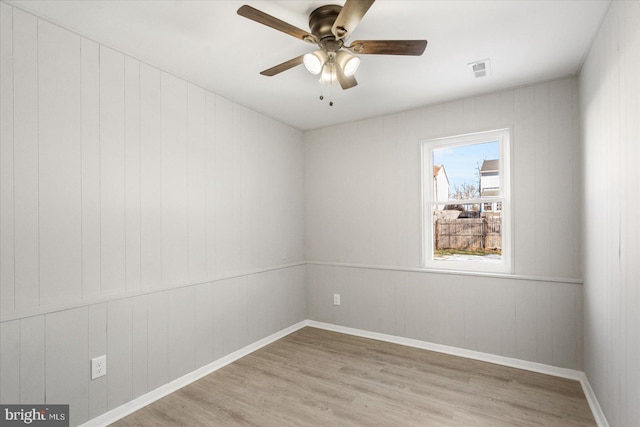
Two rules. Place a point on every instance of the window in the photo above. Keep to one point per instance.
(466, 199)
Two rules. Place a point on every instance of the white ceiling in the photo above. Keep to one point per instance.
(207, 43)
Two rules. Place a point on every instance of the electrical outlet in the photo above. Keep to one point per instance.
(336, 299)
(99, 367)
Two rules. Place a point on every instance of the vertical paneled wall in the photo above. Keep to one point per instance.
(363, 209)
(141, 217)
(610, 112)
(363, 193)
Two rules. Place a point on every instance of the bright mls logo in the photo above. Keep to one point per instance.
(34, 415)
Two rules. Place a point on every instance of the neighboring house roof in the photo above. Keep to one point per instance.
(490, 166)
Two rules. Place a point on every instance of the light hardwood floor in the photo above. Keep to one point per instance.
(314, 377)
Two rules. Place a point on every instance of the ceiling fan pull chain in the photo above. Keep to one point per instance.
(331, 92)
(330, 84)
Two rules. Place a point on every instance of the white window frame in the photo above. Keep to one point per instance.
(503, 137)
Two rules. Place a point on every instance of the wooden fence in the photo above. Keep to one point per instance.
(469, 233)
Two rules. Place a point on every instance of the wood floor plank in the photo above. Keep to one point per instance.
(314, 377)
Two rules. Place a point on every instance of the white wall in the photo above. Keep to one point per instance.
(363, 229)
(610, 122)
(139, 215)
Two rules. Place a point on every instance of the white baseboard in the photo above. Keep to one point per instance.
(571, 374)
(455, 351)
(598, 414)
(150, 397)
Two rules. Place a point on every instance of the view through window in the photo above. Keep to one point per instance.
(467, 194)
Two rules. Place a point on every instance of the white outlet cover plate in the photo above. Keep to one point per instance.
(99, 367)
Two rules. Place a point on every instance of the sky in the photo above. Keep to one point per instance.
(460, 162)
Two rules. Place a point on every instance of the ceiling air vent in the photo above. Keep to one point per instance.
(481, 68)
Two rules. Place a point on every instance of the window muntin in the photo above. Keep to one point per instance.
(467, 227)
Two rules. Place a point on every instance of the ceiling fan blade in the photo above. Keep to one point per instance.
(283, 67)
(345, 82)
(349, 17)
(275, 23)
(388, 47)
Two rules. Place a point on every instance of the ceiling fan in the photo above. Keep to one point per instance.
(330, 26)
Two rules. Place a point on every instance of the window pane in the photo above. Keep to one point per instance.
(460, 235)
(467, 171)
(469, 226)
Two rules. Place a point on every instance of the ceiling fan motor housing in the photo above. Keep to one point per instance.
(320, 22)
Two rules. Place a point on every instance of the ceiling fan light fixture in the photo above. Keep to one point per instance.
(348, 62)
(329, 75)
(314, 61)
